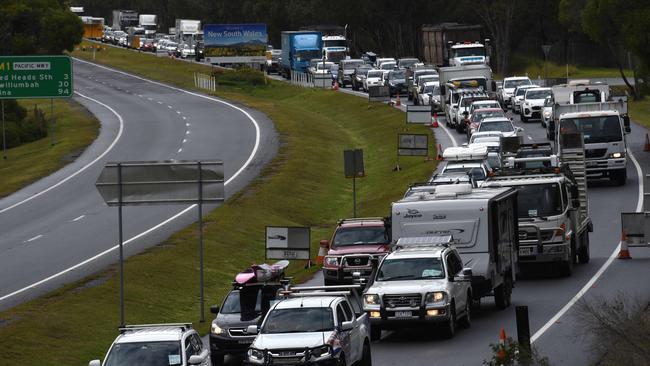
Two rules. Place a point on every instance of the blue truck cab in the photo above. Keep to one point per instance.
(298, 48)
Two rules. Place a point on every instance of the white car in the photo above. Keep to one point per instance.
(429, 94)
(186, 50)
(380, 61)
(518, 96)
(547, 117)
(156, 344)
(422, 282)
(320, 329)
(531, 105)
(374, 78)
(508, 88)
(388, 66)
(500, 124)
(483, 104)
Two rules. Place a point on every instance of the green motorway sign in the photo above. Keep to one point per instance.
(35, 77)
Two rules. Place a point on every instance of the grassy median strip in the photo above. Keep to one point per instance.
(75, 129)
(640, 111)
(303, 186)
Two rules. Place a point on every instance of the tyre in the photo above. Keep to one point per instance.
(450, 328)
(366, 358)
(341, 360)
(416, 101)
(566, 268)
(583, 252)
(459, 128)
(503, 293)
(524, 119)
(466, 322)
(217, 359)
(375, 333)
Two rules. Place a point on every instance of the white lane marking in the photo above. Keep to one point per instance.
(159, 102)
(187, 125)
(453, 139)
(78, 218)
(601, 270)
(110, 147)
(184, 140)
(140, 95)
(187, 132)
(178, 112)
(530, 138)
(181, 149)
(156, 227)
(184, 118)
(34, 238)
(150, 99)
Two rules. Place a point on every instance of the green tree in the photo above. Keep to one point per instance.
(29, 27)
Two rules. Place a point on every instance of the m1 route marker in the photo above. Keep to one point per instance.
(23, 77)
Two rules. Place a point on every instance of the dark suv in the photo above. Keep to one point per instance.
(355, 245)
(245, 305)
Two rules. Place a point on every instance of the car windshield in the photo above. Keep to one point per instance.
(233, 304)
(469, 51)
(428, 78)
(501, 126)
(375, 73)
(362, 70)
(298, 320)
(486, 105)
(405, 269)
(538, 94)
(539, 200)
(324, 66)
(351, 65)
(335, 43)
(435, 89)
(145, 353)
(594, 129)
(407, 62)
(476, 172)
(393, 75)
(521, 91)
(360, 236)
(509, 84)
(305, 55)
(468, 102)
(486, 139)
(388, 66)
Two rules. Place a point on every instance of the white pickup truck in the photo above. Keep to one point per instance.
(322, 325)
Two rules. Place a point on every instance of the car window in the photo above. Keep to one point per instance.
(348, 311)
(189, 348)
(145, 353)
(340, 315)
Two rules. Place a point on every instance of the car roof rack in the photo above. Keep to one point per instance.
(360, 219)
(129, 328)
(311, 291)
(423, 242)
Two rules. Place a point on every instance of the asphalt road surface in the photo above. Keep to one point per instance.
(59, 229)
(553, 301)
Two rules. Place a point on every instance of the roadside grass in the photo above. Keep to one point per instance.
(640, 111)
(75, 129)
(303, 186)
(534, 68)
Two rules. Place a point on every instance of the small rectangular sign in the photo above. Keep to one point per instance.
(353, 163)
(235, 43)
(378, 93)
(24, 77)
(412, 144)
(288, 242)
(418, 114)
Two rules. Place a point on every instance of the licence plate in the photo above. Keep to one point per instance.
(403, 314)
(244, 341)
(525, 251)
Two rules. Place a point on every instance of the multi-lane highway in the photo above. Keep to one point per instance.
(59, 229)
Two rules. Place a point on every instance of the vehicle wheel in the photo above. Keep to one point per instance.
(542, 123)
(548, 136)
(366, 359)
(459, 128)
(466, 322)
(375, 333)
(503, 293)
(341, 361)
(416, 101)
(217, 359)
(450, 327)
(566, 268)
(583, 252)
(524, 119)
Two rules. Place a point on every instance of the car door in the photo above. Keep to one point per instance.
(344, 336)
(455, 287)
(356, 343)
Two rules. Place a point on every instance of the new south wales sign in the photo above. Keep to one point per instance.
(35, 77)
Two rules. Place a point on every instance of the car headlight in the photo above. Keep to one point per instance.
(434, 298)
(321, 352)
(371, 299)
(547, 114)
(331, 261)
(217, 329)
(618, 155)
(255, 354)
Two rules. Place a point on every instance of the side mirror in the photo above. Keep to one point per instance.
(95, 363)
(214, 309)
(252, 329)
(347, 326)
(520, 129)
(464, 276)
(626, 124)
(325, 243)
(198, 359)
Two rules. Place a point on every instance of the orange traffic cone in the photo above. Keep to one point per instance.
(434, 124)
(397, 101)
(439, 156)
(322, 251)
(501, 354)
(624, 252)
(336, 85)
(646, 147)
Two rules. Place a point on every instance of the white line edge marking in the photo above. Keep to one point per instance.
(180, 150)
(34, 238)
(600, 271)
(110, 147)
(156, 227)
(453, 139)
(78, 218)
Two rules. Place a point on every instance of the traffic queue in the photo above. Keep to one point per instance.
(497, 207)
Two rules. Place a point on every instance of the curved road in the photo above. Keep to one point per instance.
(61, 221)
